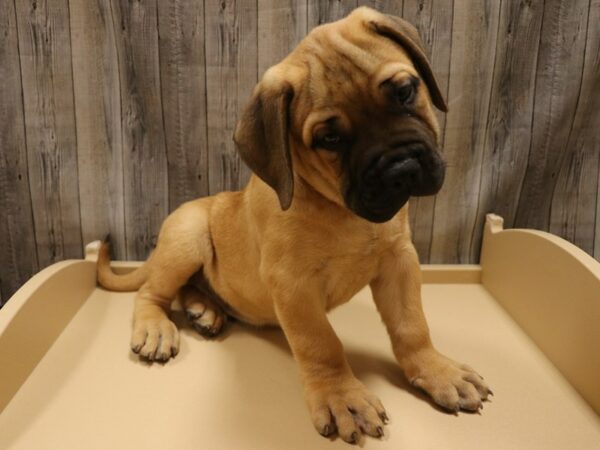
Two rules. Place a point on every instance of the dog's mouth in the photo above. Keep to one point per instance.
(391, 178)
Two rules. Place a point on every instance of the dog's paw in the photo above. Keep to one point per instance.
(155, 339)
(207, 318)
(453, 386)
(345, 406)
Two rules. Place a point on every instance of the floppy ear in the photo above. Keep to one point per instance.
(262, 137)
(403, 33)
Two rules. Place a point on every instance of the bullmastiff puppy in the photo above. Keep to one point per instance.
(339, 135)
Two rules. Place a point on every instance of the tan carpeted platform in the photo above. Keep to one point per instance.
(87, 391)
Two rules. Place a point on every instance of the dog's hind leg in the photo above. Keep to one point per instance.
(204, 313)
(183, 247)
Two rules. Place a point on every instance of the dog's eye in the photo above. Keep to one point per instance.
(401, 94)
(405, 93)
(328, 141)
(331, 139)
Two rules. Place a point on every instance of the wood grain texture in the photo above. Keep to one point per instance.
(231, 73)
(433, 19)
(98, 111)
(593, 56)
(558, 82)
(18, 254)
(45, 57)
(575, 198)
(324, 11)
(113, 112)
(474, 32)
(394, 7)
(182, 75)
(145, 172)
(281, 26)
(509, 122)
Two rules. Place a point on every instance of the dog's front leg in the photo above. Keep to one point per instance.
(397, 294)
(335, 398)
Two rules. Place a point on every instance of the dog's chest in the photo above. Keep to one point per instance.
(347, 269)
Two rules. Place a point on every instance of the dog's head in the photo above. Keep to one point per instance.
(349, 111)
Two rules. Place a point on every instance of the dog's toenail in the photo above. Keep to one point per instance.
(354, 438)
(380, 431)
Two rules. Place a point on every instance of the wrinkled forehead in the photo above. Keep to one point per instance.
(342, 67)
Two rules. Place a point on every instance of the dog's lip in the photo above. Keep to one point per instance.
(368, 200)
(380, 209)
(413, 148)
(380, 216)
(379, 213)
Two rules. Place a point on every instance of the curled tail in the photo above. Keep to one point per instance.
(131, 281)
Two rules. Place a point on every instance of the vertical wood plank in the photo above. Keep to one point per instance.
(144, 154)
(98, 113)
(182, 70)
(597, 232)
(45, 55)
(573, 211)
(559, 72)
(595, 15)
(474, 31)
(508, 128)
(324, 11)
(231, 74)
(394, 7)
(18, 254)
(433, 19)
(282, 24)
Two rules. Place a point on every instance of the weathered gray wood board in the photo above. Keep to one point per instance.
(98, 112)
(281, 26)
(18, 250)
(574, 212)
(394, 6)
(112, 113)
(45, 59)
(320, 12)
(145, 173)
(474, 32)
(593, 137)
(182, 78)
(231, 73)
(557, 87)
(509, 122)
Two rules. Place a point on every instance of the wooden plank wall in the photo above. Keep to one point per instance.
(112, 113)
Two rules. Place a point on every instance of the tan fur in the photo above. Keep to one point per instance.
(290, 267)
(108, 279)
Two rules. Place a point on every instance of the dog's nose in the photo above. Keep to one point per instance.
(401, 173)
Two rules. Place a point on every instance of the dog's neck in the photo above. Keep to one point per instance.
(317, 193)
